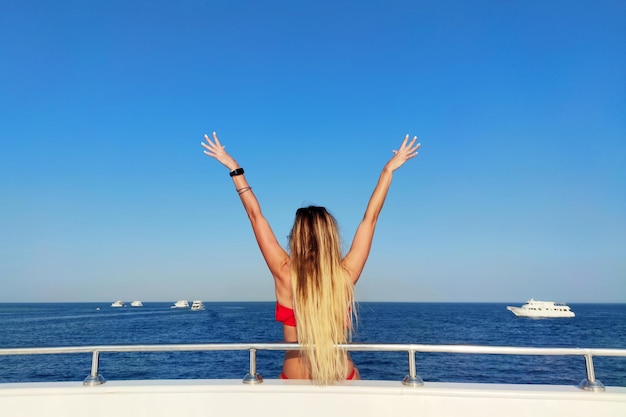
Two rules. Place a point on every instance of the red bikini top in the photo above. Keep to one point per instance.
(285, 315)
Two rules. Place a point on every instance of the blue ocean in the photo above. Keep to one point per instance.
(87, 324)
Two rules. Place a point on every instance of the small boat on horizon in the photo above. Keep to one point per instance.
(181, 304)
(542, 309)
(197, 305)
(118, 303)
(136, 303)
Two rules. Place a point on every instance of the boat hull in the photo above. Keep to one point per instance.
(362, 398)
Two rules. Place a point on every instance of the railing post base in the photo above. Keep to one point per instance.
(91, 380)
(252, 379)
(595, 386)
(412, 381)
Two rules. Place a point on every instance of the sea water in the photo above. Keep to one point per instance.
(89, 324)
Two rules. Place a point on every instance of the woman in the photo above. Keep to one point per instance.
(313, 283)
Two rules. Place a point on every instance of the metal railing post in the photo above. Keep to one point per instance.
(252, 377)
(590, 383)
(94, 378)
(412, 379)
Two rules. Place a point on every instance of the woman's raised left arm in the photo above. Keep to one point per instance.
(274, 255)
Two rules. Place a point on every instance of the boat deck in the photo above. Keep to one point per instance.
(359, 398)
(252, 394)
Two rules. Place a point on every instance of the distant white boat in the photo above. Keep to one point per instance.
(181, 304)
(136, 304)
(542, 309)
(118, 303)
(197, 305)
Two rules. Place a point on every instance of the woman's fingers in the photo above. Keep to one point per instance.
(409, 145)
(217, 141)
(414, 146)
(406, 138)
(208, 140)
(408, 148)
(213, 147)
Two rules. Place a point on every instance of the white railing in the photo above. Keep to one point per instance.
(252, 377)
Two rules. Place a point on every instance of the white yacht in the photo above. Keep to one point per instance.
(181, 304)
(197, 305)
(542, 309)
(136, 303)
(118, 303)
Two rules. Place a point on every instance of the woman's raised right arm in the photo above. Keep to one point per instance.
(356, 257)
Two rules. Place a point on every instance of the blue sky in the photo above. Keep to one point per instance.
(519, 189)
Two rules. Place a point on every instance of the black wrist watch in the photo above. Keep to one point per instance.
(236, 172)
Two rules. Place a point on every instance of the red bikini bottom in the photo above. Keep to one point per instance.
(350, 377)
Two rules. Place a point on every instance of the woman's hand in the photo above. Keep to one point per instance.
(407, 151)
(216, 150)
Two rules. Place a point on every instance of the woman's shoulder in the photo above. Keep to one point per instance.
(353, 275)
(282, 281)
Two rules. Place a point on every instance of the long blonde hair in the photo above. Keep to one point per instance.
(323, 294)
